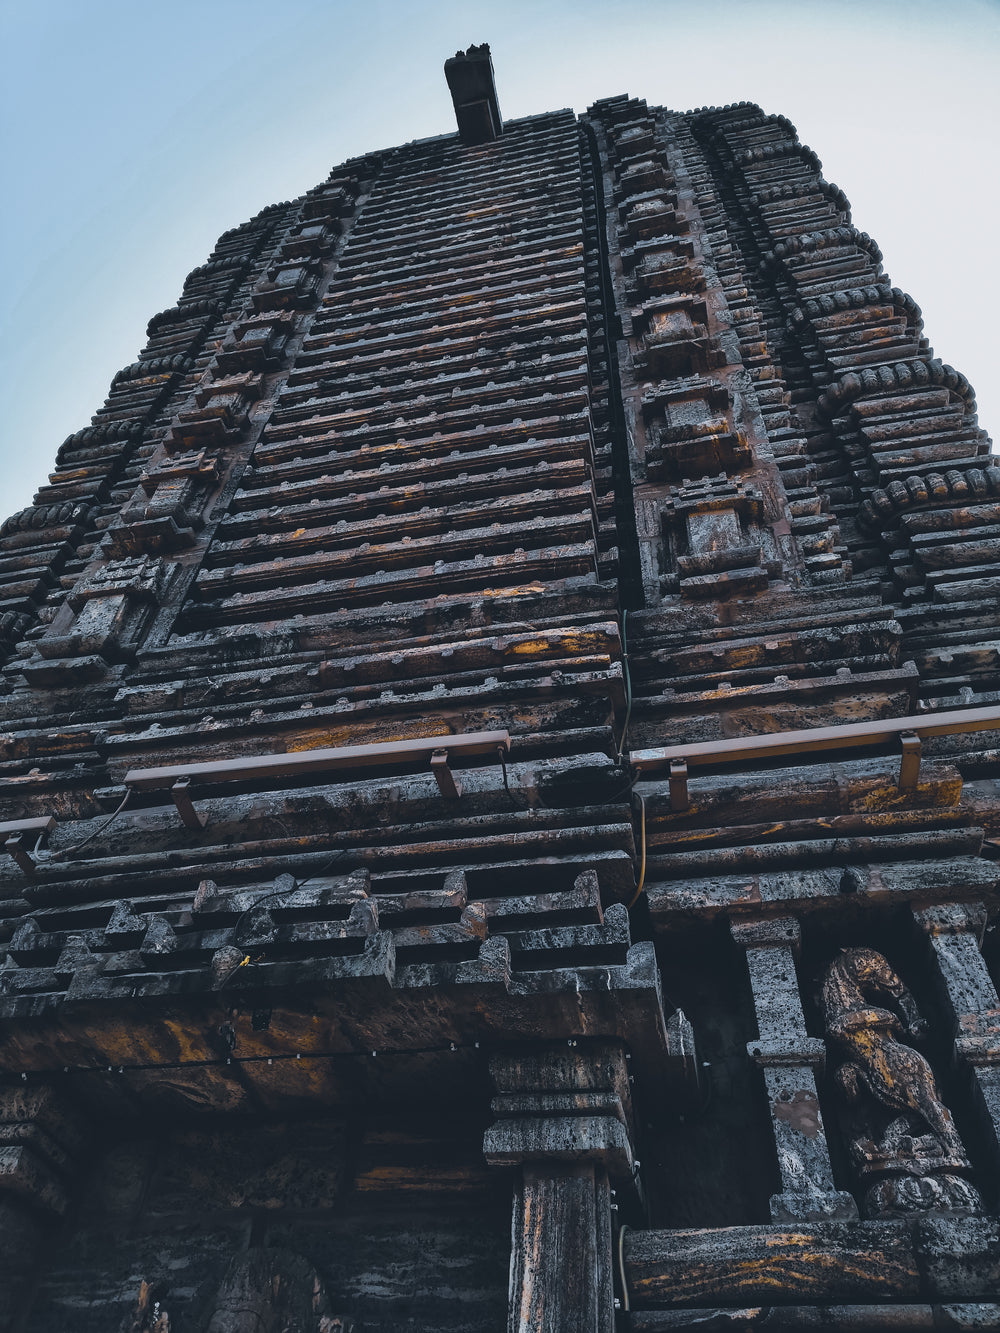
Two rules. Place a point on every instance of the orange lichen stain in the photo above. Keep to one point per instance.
(296, 1031)
(167, 1043)
(190, 1045)
(299, 532)
(524, 590)
(121, 1045)
(332, 738)
(532, 647)
(60, 478)
(583, 642)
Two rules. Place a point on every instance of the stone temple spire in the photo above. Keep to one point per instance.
(499, 768)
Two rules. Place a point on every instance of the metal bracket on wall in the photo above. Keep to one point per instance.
(17, 834)
(181, 792)
(909, 763)
(447, 784)
(678, 783)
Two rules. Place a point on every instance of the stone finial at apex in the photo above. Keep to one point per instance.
(474, 94)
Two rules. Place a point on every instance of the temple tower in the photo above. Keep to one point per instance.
(499, 768)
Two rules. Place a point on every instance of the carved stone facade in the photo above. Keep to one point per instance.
(903, 1137)
(500, 753)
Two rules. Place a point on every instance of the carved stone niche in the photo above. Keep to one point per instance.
(309, 239)
(290, 285)
(676, 340)
(263, 1291)
(114, 603)
(257, 344)
(635, 141)
(689, 432)
(641, 176)
(664, 266)
(219, 414)
(714, 539)
(166, 513)
(334, 200)
(273, 1291)
(902, 1140)
(653, 216)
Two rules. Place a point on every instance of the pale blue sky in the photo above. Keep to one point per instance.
(134, 132)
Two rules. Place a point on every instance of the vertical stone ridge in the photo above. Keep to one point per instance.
(50, 540)
(892, 430)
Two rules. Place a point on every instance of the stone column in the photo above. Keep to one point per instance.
(40, 1142)
(564, 1124)
(788, 1057)
(955, 931)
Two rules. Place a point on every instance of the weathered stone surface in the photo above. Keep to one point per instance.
(901, 1137)
(828, 1262)
(601, 435)
(786, 1319)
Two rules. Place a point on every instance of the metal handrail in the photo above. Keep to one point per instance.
(178, 779)
(677, 759)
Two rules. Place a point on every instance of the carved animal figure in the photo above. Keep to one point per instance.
(863, 975)
(891, 1072)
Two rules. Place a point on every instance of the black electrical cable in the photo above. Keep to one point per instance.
(506, 783)
(628, 695)
(642, 843)
(452, 1048)
(341, 851)
(621, 1266)
(67, 851)
(267, 898)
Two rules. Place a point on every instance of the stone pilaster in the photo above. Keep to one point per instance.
(955, 931)
(564, 1123)
(788, 1058)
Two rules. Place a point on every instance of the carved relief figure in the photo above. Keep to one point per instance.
(902, 1138)
(273, 1291)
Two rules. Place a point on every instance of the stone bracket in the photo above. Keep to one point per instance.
(565, 1138)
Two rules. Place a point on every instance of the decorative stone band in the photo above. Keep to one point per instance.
(828, 238)
(853, 298)
(931, 1259)
(573, 1138)
(967, 485)
(567, 1103)
(845, 1318)
(892, 378)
